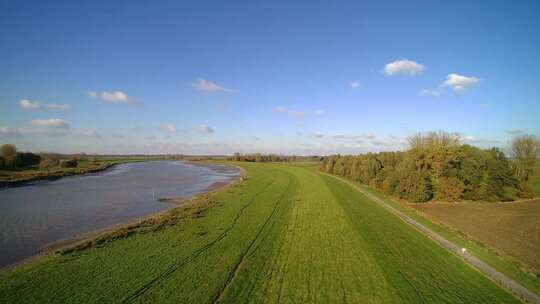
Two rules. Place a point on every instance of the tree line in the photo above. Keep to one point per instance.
(267, 158)
(258, 157)
(11, 158)
(437, 166)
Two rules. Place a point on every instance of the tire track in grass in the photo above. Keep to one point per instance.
(288, 252)
(272, 261)
(280, 250)
(220, 295)
(143, 289)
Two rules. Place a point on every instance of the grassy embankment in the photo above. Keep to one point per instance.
(287, 234)
(15, 176)
(510, 267)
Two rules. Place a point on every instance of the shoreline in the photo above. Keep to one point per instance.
(59, 175)
(176, 202)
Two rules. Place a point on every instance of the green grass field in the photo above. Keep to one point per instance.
(285, 235)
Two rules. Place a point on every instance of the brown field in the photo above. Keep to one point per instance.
(511, 229)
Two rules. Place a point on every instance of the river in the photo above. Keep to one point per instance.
(40, 213)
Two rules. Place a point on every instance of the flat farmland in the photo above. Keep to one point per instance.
(287, 234)
(512, 229)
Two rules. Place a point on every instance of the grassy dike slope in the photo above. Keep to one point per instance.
(287, 235)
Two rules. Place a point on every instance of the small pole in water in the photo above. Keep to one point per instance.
(153, 194)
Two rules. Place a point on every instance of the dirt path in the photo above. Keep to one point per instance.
(501, 279)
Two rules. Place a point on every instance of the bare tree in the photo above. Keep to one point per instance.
(49, 161)
(524, 150)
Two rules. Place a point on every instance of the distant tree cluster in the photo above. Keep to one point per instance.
(11, 158)
(438, 167)
(258, 157)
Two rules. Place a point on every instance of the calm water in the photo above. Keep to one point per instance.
(44, 212)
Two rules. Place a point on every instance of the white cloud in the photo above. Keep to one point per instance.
(32, 105)
(58, 106)
(51, 123)
(92, 133)
(29, 105)
(354, 84)
(320, 112)
(116, 97)
(430, 92)
(169, 127)
(403, 67)
(459, 82)
(204, 85)
(205, 129)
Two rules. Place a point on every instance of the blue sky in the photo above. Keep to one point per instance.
(304, 77)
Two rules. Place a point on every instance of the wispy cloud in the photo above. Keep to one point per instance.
(320, 112)
(29, 104)
(391, 141)
(51, 123)
(318, 135)
(58, 106)
(92, 133)
(279, 109)
(39, 129)
(208, 86)
(515, 131)
(357, 138)
(471, 139)
(116, 97)
(296, 114)
(34, 105)
(369, 136)
(291, 113)
(431, 93)
(204, 128)
(354, 84)
(403, 67)
(10, 132)
(459, 82)
(168, 127)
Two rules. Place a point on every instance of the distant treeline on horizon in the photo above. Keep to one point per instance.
(258, 157)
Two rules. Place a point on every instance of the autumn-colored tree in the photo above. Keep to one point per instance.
(436, 166)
